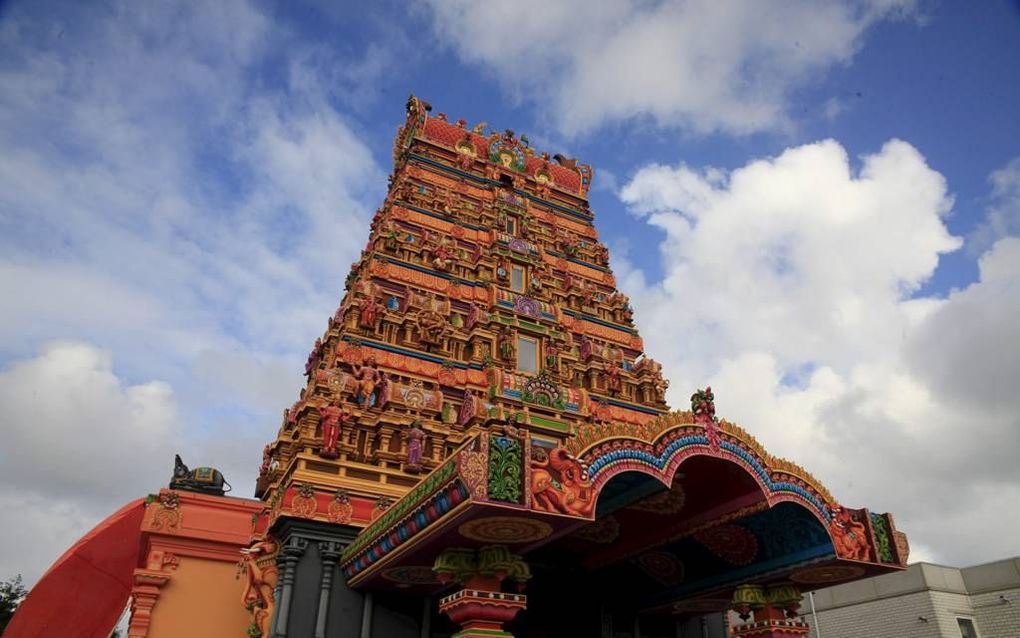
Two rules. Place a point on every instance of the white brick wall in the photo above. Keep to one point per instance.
(895, 617)
(993, 617)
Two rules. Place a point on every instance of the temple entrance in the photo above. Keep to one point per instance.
(656, 557)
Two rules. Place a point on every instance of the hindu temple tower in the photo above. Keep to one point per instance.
(480, 418)
(481, 449)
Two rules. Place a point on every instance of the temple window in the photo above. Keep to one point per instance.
(517, 278)
(527, 354)
(511, 226)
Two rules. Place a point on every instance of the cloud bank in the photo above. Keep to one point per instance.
(699, 65)
(791, 287)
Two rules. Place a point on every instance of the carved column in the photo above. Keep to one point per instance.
(481, 608)
(774, 611)
(289, 557)
(144, 595)
(149, 582)
(330, 554)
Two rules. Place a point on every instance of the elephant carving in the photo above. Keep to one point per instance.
(560, 484)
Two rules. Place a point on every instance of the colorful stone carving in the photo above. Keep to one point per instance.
(559, 483)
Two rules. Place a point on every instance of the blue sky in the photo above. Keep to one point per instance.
(813, 205)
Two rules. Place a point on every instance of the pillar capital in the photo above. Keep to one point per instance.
(481, 607)
(774, 610)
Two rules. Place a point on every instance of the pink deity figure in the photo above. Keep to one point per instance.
(601, 254)
(384, 390)
(333, 418)
(415, 442)
(472, 317)
(367, 377)
(369, 313)
(568, 280)
(586, 348)
(468, 408)
(613, 383)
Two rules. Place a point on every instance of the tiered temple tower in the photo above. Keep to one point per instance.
(480, 411)
(481, 447)
(483, 294)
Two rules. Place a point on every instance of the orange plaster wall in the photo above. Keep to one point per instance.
(202, 600)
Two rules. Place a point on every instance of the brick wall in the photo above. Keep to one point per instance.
(995, 618)
(895, 617)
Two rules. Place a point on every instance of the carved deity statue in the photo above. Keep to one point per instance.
(432, 328)
(267, 459)
(369, 314)
(384, 390)
(390, 235)
(613, 383)
(367, 376)
(415, 442)
(468, 408)
(333, 418)
(443, 254)
(505, 344)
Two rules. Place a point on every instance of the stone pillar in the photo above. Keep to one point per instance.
(481, 608)
(330, 554)
(768, 612)
(289, 557)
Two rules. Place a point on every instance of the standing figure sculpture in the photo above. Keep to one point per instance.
(613, 384)
(415, 442)
(506, 344)
(369, 313)
(383, 390)
(367, 377)
(333, 417)
(467, 408)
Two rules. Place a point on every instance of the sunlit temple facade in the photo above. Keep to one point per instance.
(482, 448)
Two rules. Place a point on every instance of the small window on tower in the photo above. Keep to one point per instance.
(527, 354)
(517, 278)
(511, 226)
(967, 629)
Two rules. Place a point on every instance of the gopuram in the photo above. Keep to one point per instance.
(483, 449)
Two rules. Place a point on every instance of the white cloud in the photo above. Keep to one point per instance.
(78, 442)
(702, 65)
(160, 199)
(790, 286)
